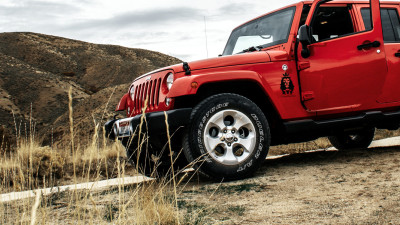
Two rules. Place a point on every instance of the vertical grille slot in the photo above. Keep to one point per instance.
(145, 94)
(158, 91)
(154, 93)
(150, 93)
(141, 97)
(135, 103)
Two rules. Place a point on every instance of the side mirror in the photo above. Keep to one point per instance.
(305, 40)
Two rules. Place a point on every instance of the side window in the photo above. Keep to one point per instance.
(390, 23)
(394, 18)
(331, 22)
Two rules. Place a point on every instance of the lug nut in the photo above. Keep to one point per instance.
(236, 139)
(225, 131)
(229, 144)
(233, 131)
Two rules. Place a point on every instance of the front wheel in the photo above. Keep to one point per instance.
(228, 137)
(350, 140)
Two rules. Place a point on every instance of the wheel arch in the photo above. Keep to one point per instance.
(248, 88)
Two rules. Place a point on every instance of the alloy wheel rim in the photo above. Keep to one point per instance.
(229, 137)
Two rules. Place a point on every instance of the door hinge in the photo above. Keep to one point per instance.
(303, 65)
(307, 95)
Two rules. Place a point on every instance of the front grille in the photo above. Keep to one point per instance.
(149, 90)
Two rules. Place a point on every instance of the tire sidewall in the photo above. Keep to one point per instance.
(200, 118)
(344, 142)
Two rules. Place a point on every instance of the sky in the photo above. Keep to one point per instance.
(187, 29)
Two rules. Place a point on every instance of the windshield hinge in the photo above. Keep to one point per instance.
(186, 68)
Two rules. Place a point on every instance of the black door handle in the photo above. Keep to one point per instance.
(397, 54)
(374, 44)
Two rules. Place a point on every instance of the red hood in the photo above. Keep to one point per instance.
(231, 60)
(223, 61)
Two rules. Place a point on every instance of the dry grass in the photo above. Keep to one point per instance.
(135, 204)
(30, 166)
(33, 166)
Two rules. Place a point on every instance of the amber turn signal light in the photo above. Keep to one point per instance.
(194, 85)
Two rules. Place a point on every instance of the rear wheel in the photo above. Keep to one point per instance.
(350, 140)
(228, 137)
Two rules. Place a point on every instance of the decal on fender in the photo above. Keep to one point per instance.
(287, 86)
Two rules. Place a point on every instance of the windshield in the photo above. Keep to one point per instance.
(266, 31)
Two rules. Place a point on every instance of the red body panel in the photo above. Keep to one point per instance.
(337, 78)
(122, 105)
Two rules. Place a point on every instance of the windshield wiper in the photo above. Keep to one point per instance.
(252, 49)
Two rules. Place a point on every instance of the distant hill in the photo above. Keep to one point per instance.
(37, 70)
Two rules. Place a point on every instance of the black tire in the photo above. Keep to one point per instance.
(229, 160)
(351, 140)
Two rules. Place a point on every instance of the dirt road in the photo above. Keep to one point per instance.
(353, 187)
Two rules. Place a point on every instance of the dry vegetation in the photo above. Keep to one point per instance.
(30, 166)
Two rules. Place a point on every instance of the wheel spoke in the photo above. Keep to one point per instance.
(229, 157)
(241, 121)
(248, 143)
(211, 142)
(218, 122)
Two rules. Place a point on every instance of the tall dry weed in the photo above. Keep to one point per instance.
(33, 166)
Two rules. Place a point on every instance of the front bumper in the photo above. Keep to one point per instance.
(153, 124)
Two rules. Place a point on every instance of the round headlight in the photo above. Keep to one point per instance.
(170, 80)
(132, 92)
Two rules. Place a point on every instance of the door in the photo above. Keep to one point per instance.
(391, 38)
(346, 67)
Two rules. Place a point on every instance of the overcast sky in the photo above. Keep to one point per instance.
(173, 27)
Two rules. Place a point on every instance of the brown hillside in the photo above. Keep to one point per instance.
(37, 70)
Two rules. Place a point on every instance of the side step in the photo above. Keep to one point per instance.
(388, 120)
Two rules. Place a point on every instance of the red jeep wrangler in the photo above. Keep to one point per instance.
(312, 69)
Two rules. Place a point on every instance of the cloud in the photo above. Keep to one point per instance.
(37, 9)
(236, 8)
(142, 19)
(35, 16)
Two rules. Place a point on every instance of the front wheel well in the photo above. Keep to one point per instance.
(246, 88)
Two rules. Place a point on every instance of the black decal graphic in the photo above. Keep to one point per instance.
(287, 86)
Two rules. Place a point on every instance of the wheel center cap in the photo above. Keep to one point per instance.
(229, 137)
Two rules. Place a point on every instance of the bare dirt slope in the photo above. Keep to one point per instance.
(354, 187)
(37, 70)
